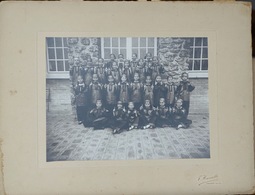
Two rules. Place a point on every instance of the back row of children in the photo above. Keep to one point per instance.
(126, 86)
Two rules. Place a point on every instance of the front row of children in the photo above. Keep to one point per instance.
(147, 117)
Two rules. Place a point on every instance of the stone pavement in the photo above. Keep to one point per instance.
(66, 140)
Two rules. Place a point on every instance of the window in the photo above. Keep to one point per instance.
(199, 55)
(57, 55)
(127, 46)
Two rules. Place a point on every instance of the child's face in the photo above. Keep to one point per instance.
(99, 104)
(100, 61)
(184, 77)
(155, 59)
(147, 104)
(170, 79)
(112, 57)
(110, 79)
(121, 56)
(95, 78)
(114, 65)
(148, 79)
(158, 79)
(123, 78)
(162, 102)
(134, 57)
(119, 105)
(126, 64)
(179, 103)
(80, 80)
(140, 63)
(131, 105)
(136, 77)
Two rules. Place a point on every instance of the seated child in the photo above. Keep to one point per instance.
(179, 116)
(99, 116)
(133, 116)
(120, 122)
(147, 115)
(183, 91)
(163, 119)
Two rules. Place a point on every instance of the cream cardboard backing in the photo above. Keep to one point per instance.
(24, 26)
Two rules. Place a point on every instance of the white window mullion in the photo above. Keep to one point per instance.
(55, 50)
(193, 57)
(201, 55)
(63, 52)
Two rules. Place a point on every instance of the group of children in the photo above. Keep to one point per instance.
(126, 95)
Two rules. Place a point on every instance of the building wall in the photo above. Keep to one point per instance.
(61, 95)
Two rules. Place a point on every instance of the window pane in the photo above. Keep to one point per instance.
(52, 66)
(190, 64)
(205, 65)
(135, 51)
(66, 65)
(151, 50)
(115, 42)
(58, 42)
(107, 53)
(50, 42)
(198, 41)
(122, 42)
(205, 52)
(65, 42)
(142, 53)
(59, 53)
(51, 53)
(142, 42)
(150, 42)
(115, 52)
(196, 64)
(123, 52)
(107, 42)
(66, 53)
(60, 65)
(134, 42)
(198, 53)
(205, 42)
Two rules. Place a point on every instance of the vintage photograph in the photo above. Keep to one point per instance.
(127, 98)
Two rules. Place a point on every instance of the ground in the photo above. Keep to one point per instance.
(66, 140)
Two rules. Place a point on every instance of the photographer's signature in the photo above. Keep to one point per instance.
(204, 179)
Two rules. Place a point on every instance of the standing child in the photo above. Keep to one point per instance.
(179, 116)
(170, 92)
(159, 91)
(163, 114)
(120, 61)
(115, 72)
(133, 116)
(134, 61)
(120, 122)
(95, 90)
(148, 90)
(100, 71)
(81, 99)
(183, 91)
(136, 91)
(112, 59)
(110, 94)
(99, 116)
(124, 91)
(127, 71)
(148, 115)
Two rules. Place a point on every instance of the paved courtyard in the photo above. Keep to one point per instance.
(66, 140)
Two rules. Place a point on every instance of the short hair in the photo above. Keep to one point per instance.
(184, 73)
